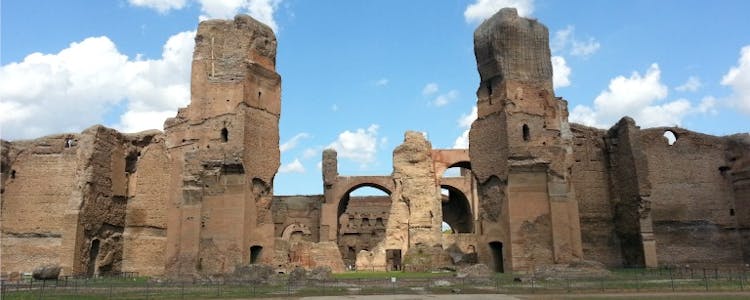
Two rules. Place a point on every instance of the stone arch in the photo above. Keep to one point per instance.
(457, 210)
(296, 227)
(343, 198)
(444, 159)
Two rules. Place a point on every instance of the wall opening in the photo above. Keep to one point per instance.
(671, 137)
(731, 211)
(496, 248)
(255, 252)
(224, 135)
(12, 174)
(456, 210)
(525, 132)
(93, 253)
(393, 259)
(357, 210)
(131, 162)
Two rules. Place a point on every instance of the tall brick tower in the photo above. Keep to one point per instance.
(520, 149)
(224, 149)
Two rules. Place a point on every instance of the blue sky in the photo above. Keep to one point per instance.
(357, 74)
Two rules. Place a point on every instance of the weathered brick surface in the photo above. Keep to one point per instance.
(536, 193)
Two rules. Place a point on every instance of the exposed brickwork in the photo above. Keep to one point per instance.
(535, 193)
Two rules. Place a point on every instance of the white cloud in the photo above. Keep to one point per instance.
(466, 119)
(162, 6)
(261, 10)
(430, 88)
(310, 153)
(292, 167)
(381, 82)
(291, 143)
(443, 99)
(565, 40)
(640, 97)
(334, 107)
(359, 146)
(738, 78)
(692, 84)
(76, 87)
(561, 39)
(462, 142)
(584, 48)
(484, 9)
(560, 72)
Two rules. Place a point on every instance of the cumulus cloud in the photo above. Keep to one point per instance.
(738, 78)
(310, 153)
(76, 87)
(462, 142)
(560, 72)
(484, 9)
(381, 82)
(430, 88)
(291, 143)
(292, 167)
(359, 146)
(565, 41)
(443, 99)
(692, 84)
(640, 97)
(261, 10)
(162, 6)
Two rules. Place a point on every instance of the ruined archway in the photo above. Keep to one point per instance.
(296, 232)
(362, 217)
(457, 212)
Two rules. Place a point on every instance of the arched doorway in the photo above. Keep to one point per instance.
(361, 220)
(457, 189)
(457, 212)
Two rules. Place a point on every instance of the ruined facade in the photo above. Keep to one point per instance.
(533, 190)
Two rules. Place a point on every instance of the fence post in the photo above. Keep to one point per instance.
(41, 291)
(110, 289)
(742, 280)
(637, 283)
(671, 278)
(705, 279)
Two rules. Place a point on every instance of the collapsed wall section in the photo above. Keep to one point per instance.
(630, 194)
(590, 175)
(64, 200)
(38, 178)
(693, 208)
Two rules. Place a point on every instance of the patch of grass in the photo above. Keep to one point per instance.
(388, 275)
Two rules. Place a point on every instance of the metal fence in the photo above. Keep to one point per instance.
(621, 281)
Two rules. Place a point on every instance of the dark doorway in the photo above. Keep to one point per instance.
(393, 259)
(255, 254)
(497, 256)
(93, 253)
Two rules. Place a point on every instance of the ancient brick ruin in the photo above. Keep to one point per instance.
(534, 190)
